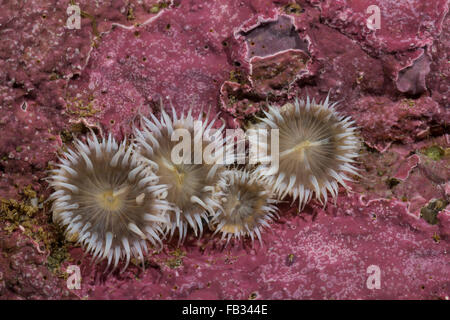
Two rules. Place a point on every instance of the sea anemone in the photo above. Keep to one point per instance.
(192, 180)
(246, 206)
(316, 149)
(107, 201)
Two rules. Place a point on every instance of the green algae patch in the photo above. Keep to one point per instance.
(434, 152)
(177, 258)
(410, 103)
(26, 215)
(81, 108)
(91, 17)
(158, 6)
(430, 211)
(237, 76)
(16, 212)
(293, 8)
(130, 14)
(56, 258)
(66, 136)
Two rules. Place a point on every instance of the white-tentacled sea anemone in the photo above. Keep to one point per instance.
(317, 147)
(247, 206)
(191, 181)
(107, 201)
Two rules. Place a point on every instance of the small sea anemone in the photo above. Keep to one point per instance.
(246, 206)
(316, 149)
(107, 201)
(191, 181)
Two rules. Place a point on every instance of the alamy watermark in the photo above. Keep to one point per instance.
(74, 19)
(74, 280)
(373, 22)
(374, 278)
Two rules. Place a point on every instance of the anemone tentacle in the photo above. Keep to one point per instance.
(107, 201)
(317, 147)
(191, 183)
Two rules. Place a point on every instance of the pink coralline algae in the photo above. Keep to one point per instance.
(233, 57)
(412, 79)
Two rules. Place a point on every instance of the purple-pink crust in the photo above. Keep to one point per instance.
(233, 56)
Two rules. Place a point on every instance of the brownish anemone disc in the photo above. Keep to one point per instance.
(247, 206)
